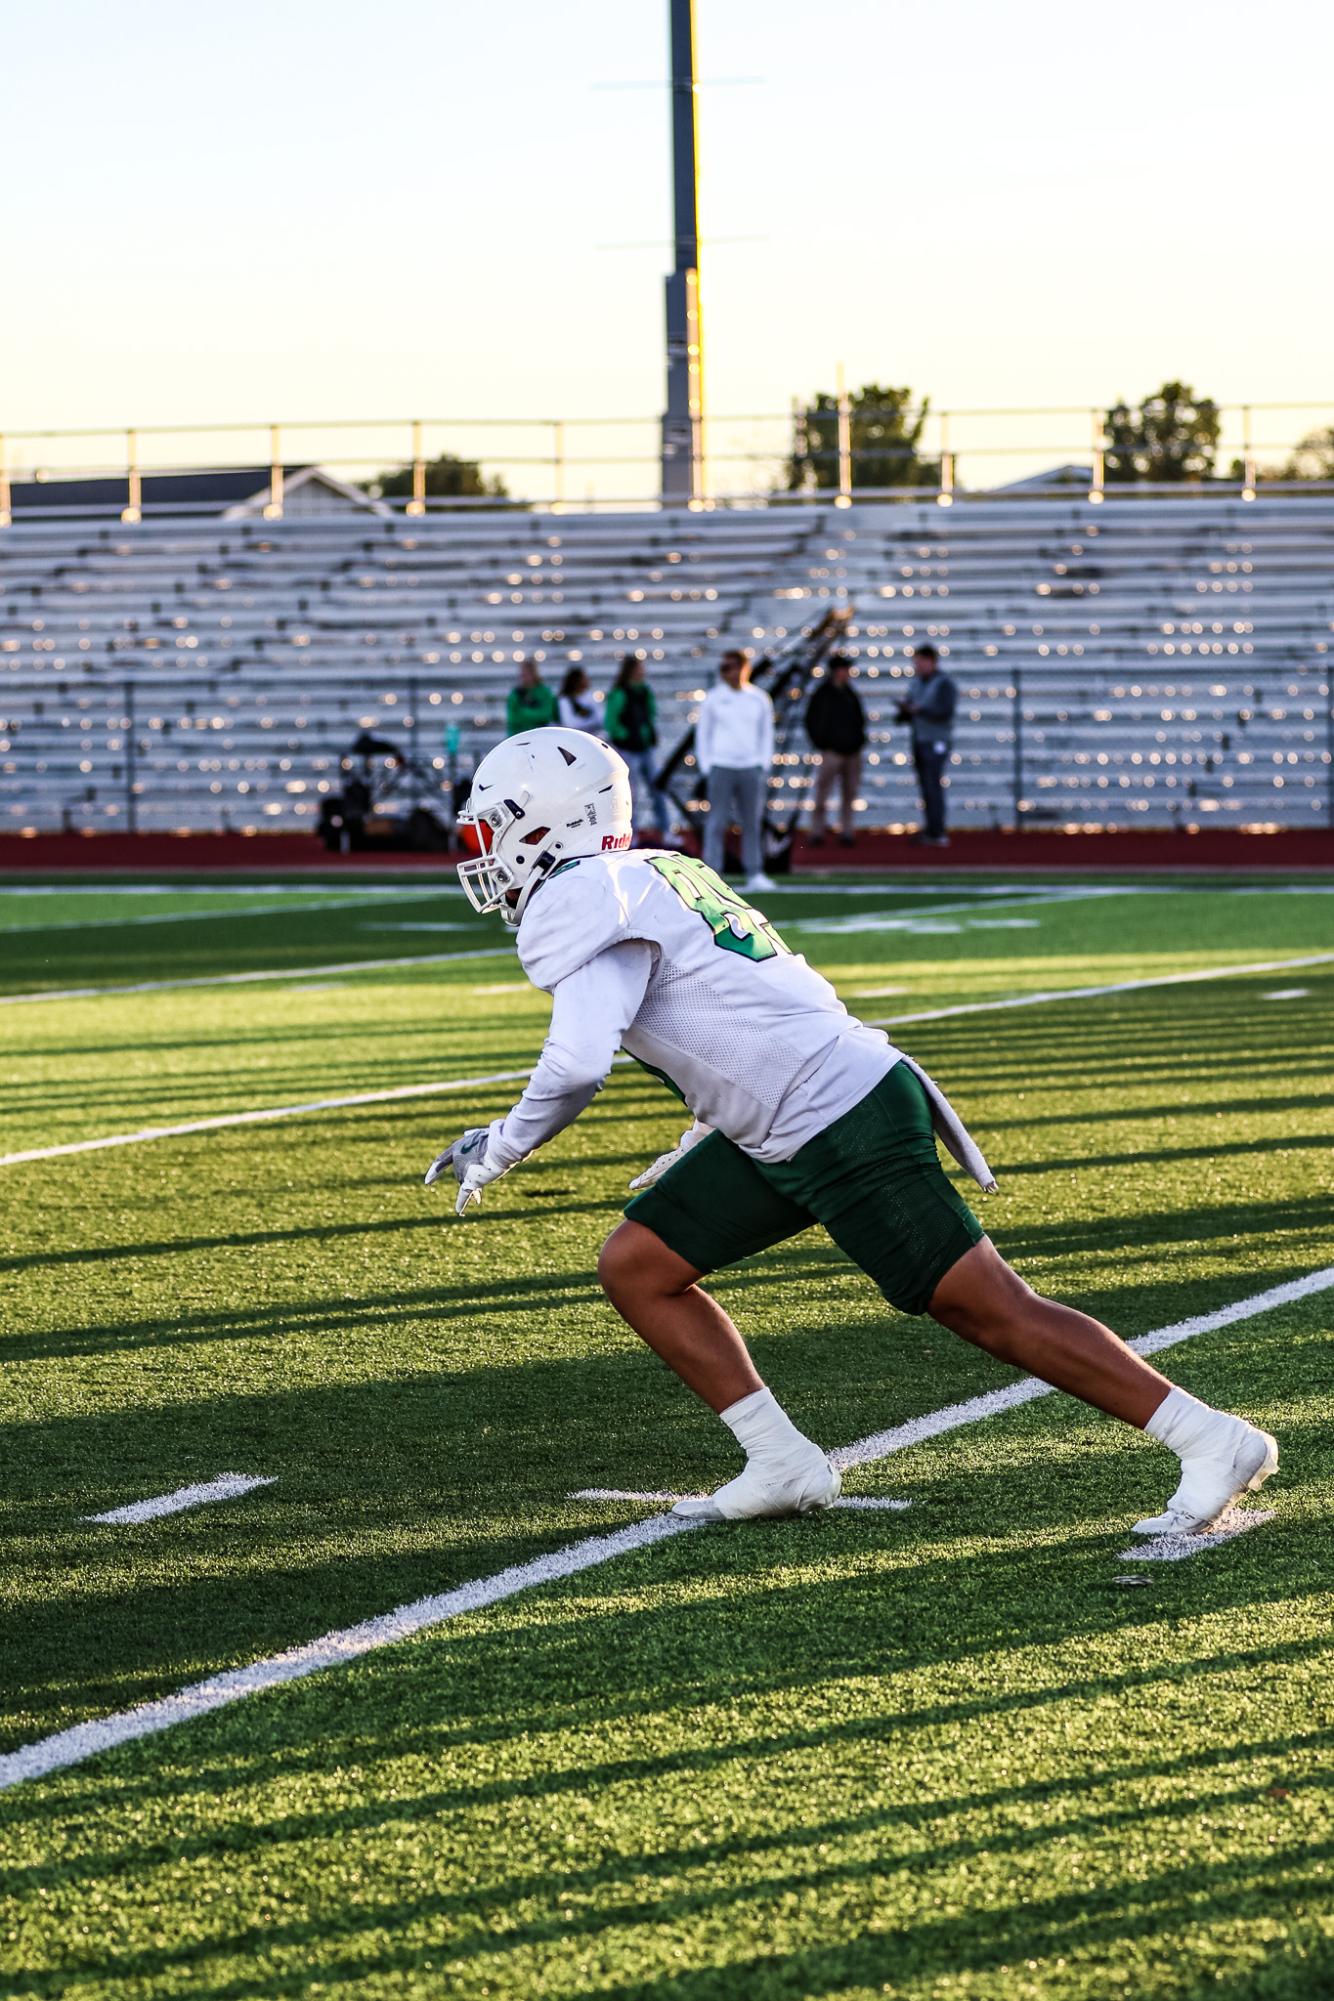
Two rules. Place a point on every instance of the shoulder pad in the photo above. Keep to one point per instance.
(575, 914)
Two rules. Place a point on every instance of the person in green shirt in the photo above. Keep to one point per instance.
(531, 704)
(630, 722)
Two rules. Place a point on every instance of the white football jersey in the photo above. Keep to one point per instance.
(754, 1040)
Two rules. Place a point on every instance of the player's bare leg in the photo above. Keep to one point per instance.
(984, 1301)
(658, 1294)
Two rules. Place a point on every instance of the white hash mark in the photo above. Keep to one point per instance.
(1174, 1548)
(653, 1499)
(334, 1649)
(225, 1488)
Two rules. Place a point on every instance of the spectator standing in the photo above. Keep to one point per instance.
(836, 726)
(578, 707)
(531, 704)
(929, 708)
(631, 720)
(734, 747)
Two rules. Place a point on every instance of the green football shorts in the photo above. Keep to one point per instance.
(873, 1179)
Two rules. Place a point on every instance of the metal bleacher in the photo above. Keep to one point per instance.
(1147, 661)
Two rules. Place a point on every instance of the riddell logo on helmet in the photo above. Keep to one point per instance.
(615, 841)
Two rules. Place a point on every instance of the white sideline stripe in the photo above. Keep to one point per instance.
(874, 921)
(1287, 993)
(879, 1443)
(513, 1076)
(888, 885)
(393, 886)
(1175, 1548)
(422, 959)
(202, 916)
(1097, 993)
(225, 1488)
(248, 979)
(400, 1092)
(622, 1494)
(85, 1740)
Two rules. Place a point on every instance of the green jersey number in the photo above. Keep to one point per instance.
(736, 927)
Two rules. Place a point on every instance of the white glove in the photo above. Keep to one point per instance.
(659, 1167)
(475, 1161)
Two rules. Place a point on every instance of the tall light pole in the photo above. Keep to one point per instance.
(683, 419)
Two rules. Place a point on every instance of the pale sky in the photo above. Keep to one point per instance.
(312, 209)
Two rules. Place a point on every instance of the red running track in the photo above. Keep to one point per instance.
(1214, 850)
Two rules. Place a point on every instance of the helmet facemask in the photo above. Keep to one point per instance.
(503, 877)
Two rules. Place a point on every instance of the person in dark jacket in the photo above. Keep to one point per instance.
(531, 704)
(930, 710)
(836, 726)
(630, 719)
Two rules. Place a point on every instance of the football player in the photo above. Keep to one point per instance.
(802, 1114)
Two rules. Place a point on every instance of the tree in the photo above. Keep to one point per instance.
(1170, 436)
(447, 478)
(1312, 458)
(885, 436)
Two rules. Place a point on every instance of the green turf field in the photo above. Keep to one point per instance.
(965, 1749)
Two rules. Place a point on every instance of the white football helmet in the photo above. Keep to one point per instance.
(537, 799)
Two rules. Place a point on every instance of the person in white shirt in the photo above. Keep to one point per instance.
(803, 1115)
(578, 707)
(734, 747)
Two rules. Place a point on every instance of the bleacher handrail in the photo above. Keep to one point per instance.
(548, 451)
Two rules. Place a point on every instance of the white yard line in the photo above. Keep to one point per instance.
(513, 1076)
(400, 885)
(1097, 993)
(1176, 1548)
(86, 1740)
(878, 1444)
(501, 951)
(888, 885)
(226, 1487)
(922, 922)
(1288, 993)
(382, 965)
(399, 1092)
(202, 916)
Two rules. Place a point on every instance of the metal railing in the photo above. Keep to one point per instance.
(1040, 744)
(584, 462)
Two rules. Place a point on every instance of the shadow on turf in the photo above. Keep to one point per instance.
(383, 1488)
(1091, 1917)
(1130, 1306)
(1054, 1928)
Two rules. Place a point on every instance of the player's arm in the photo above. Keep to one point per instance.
(590, 1011)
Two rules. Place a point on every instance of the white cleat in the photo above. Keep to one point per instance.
(1211, 1482)
(756, 884)
(799, 1484)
